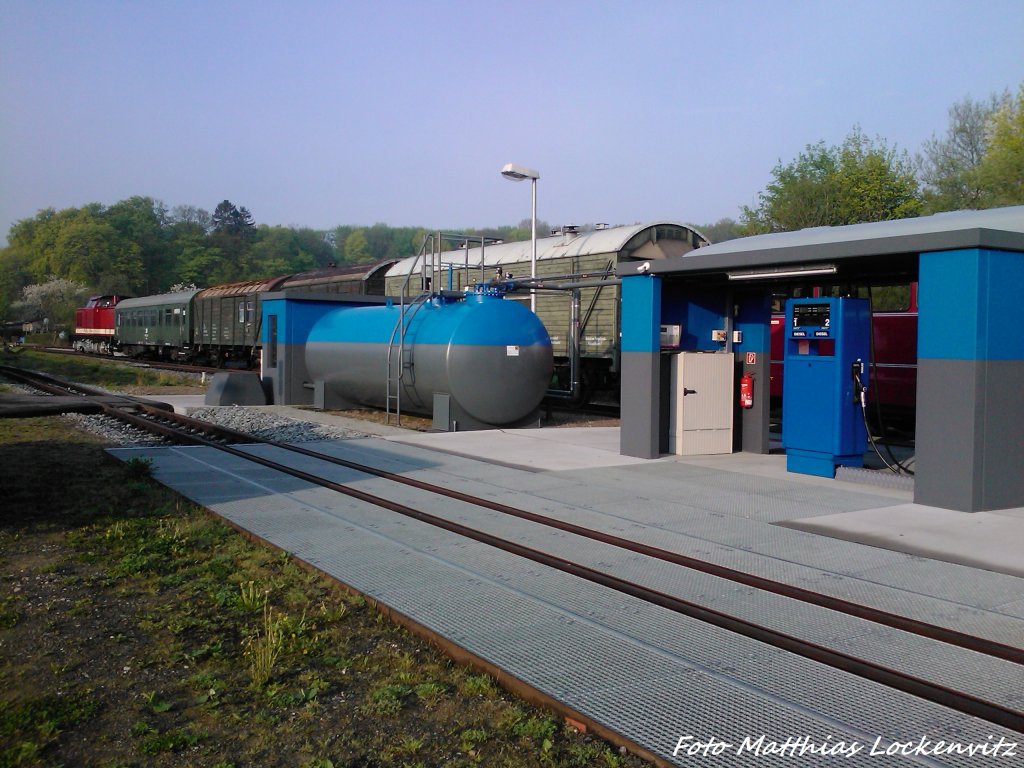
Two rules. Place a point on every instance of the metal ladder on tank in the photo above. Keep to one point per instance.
(428, 259)
(397, 358)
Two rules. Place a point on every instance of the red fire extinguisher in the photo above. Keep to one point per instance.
(747, 390)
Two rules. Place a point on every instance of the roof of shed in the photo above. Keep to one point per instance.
(999, 228)
(610, 240)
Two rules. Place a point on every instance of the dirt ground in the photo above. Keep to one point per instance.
(138, 630)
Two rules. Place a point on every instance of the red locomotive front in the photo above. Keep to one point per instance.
(94, 325)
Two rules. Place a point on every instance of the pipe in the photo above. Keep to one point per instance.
(573, 393)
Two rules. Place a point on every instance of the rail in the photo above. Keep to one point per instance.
(961, 701)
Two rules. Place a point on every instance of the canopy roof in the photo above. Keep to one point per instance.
(999, 228)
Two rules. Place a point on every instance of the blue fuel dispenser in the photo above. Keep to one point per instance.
(826, 360)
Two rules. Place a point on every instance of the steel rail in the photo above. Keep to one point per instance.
(931, 631)
(892, 678)
(946, 635)
(940, 694)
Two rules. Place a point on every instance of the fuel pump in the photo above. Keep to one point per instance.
(824, 391)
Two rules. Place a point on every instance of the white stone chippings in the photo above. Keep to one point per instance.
(272, 426)
(112, 430)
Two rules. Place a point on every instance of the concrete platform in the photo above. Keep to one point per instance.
(989, 540)
(645, 673)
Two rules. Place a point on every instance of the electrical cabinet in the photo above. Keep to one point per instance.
(827, 342)
(701, 409)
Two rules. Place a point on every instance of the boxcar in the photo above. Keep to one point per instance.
(565, 258)
(227, 320)
(363, 279)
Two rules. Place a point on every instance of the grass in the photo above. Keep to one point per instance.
(131, 623)
(100, 372)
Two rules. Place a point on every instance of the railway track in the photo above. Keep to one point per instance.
(190, 431)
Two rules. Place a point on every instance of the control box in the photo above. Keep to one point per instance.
(827, 342)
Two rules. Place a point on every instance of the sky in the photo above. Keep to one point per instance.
(403, 112)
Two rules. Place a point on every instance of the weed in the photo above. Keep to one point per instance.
(264, 649)
(477, 685)
(471, 737)
(27, 727)
(538, 729)
(251, 596)
(155, 704)
(9, 613)
(387, 700)
(116, 531)
(430, 693)
(169, 741)
(139, 469)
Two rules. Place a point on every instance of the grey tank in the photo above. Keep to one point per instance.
(490, 356)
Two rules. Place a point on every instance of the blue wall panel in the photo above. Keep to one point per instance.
(641, 314)
(970, 305)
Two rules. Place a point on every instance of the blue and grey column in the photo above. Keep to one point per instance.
(970, 382)
(641, 367)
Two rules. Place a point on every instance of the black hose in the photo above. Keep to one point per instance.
(873, 375)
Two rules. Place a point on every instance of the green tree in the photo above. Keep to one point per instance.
(279, 251)
(143, 222)
(1002, 167)
(861, 180)
(356, 248)
(195, 259)
(949, 166)
(721, 230)
(90, 251)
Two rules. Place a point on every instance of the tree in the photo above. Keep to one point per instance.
(356, 248)
(91, 252)
(949, 166)
(189, 214)
(861, 180)
(54, 300)
(235, 221)
(279, 251)
(1002, 167)
(721, 230)
(143, 223)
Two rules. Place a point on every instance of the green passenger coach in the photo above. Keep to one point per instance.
(156, 326)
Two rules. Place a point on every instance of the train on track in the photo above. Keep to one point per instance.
(577, 300)
(213, 326)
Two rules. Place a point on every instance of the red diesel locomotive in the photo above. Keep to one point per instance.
(94, 325)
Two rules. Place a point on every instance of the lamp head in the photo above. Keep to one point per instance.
(519, 172)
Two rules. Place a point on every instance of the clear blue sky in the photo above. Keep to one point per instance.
(325, 113)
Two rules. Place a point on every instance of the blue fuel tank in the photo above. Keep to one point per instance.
(491, 356)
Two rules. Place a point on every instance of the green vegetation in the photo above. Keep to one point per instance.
(94, 371)
(862, 180)
(138, 630)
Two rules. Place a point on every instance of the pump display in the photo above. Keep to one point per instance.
(826, 359)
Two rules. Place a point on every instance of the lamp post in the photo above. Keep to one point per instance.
(520, 173)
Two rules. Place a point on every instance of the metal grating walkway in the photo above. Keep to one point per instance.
(647, 673)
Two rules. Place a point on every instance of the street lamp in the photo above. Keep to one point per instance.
(519, 173)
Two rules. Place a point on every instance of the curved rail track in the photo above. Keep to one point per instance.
(191, 431)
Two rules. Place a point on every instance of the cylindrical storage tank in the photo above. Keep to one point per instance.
(491, 356)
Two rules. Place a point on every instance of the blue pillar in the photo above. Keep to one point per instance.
(641, 367)
(970, 381)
